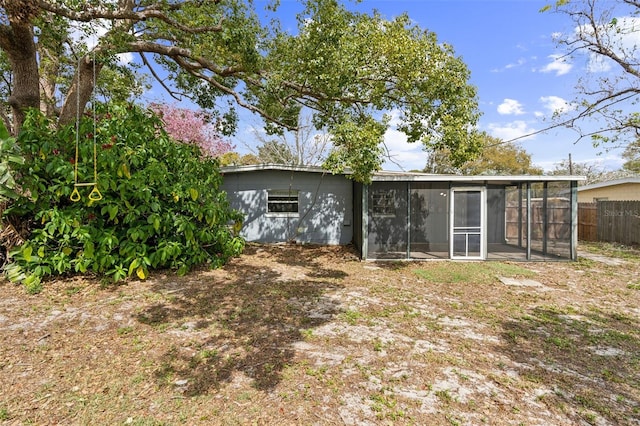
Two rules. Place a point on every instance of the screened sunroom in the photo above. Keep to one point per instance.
(418, 216)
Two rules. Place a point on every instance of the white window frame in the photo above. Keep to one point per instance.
(391, 202)
(289, 197)
(482, 229)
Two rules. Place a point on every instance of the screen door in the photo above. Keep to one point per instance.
(467, 223)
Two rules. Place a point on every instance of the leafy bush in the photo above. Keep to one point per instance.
(10, 158)
(161, 205)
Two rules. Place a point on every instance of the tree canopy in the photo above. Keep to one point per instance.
(348, 69)
(496, 157)
(192, 127)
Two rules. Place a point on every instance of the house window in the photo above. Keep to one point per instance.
(282, 202)
(384, 202)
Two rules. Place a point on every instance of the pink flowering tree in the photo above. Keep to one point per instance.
(192, 127)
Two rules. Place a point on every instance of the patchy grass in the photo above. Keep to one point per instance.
(470, 272)
(310, 335)
(619, 251)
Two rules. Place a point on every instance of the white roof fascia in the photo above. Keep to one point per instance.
(386, 176)
(277, 167)
(476, 178)
(610, 183)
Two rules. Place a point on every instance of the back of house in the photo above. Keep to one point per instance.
(409, 215)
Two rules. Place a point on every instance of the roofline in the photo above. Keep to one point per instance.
(610, 183)
(277, 167)
(385, 176)
(421, 177)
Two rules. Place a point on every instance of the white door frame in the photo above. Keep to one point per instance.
(481, 230)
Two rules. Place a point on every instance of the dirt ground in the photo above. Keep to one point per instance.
(299, 335)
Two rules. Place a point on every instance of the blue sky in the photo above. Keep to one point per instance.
(508, 46)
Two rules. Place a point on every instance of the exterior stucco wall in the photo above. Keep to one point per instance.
(622, 192)
(325, 212)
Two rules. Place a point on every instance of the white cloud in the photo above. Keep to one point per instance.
(555, 104)
(125, 58)
(510, 131)
(404, 155)
(394, 118)
(607, 163)
(598, 63)
(520, 62)
(516, 64)
(558, 64)
(510, 107)
(556, 35)
(90, 35)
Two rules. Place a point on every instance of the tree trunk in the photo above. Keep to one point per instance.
(50, 71)
(17, 40)
(80, 91)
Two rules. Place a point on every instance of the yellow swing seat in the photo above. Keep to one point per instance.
(94, 195)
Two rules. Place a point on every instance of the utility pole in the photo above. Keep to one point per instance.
(570, 165)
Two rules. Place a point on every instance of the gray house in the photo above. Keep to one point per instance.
(409, 215)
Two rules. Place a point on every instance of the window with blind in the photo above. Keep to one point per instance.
(282, 202)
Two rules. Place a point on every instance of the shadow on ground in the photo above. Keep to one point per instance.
(590, 360)
(307, 256)
(244, 320)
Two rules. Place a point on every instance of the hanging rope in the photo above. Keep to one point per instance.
(95, 194)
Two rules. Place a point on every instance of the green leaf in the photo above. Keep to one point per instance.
(89, 249)
(15, 273)
(4, 133)
(113, 211)
(33, 284)
(26, 253)
(134, 265)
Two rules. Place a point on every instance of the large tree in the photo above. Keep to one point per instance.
(348, 69)
(603, 38)
(496, 157)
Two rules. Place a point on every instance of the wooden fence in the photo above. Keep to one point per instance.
(610, 221)
(588, 221)
(555, 217)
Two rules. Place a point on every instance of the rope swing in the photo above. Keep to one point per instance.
(95, 194)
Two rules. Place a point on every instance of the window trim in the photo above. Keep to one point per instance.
(294, 198)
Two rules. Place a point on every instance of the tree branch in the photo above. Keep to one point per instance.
(570, 122)
(187, 57)
(157, 77)
(156, 11)
(227, 90)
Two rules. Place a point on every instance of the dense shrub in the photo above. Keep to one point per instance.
(10, 157)
(161, 205)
